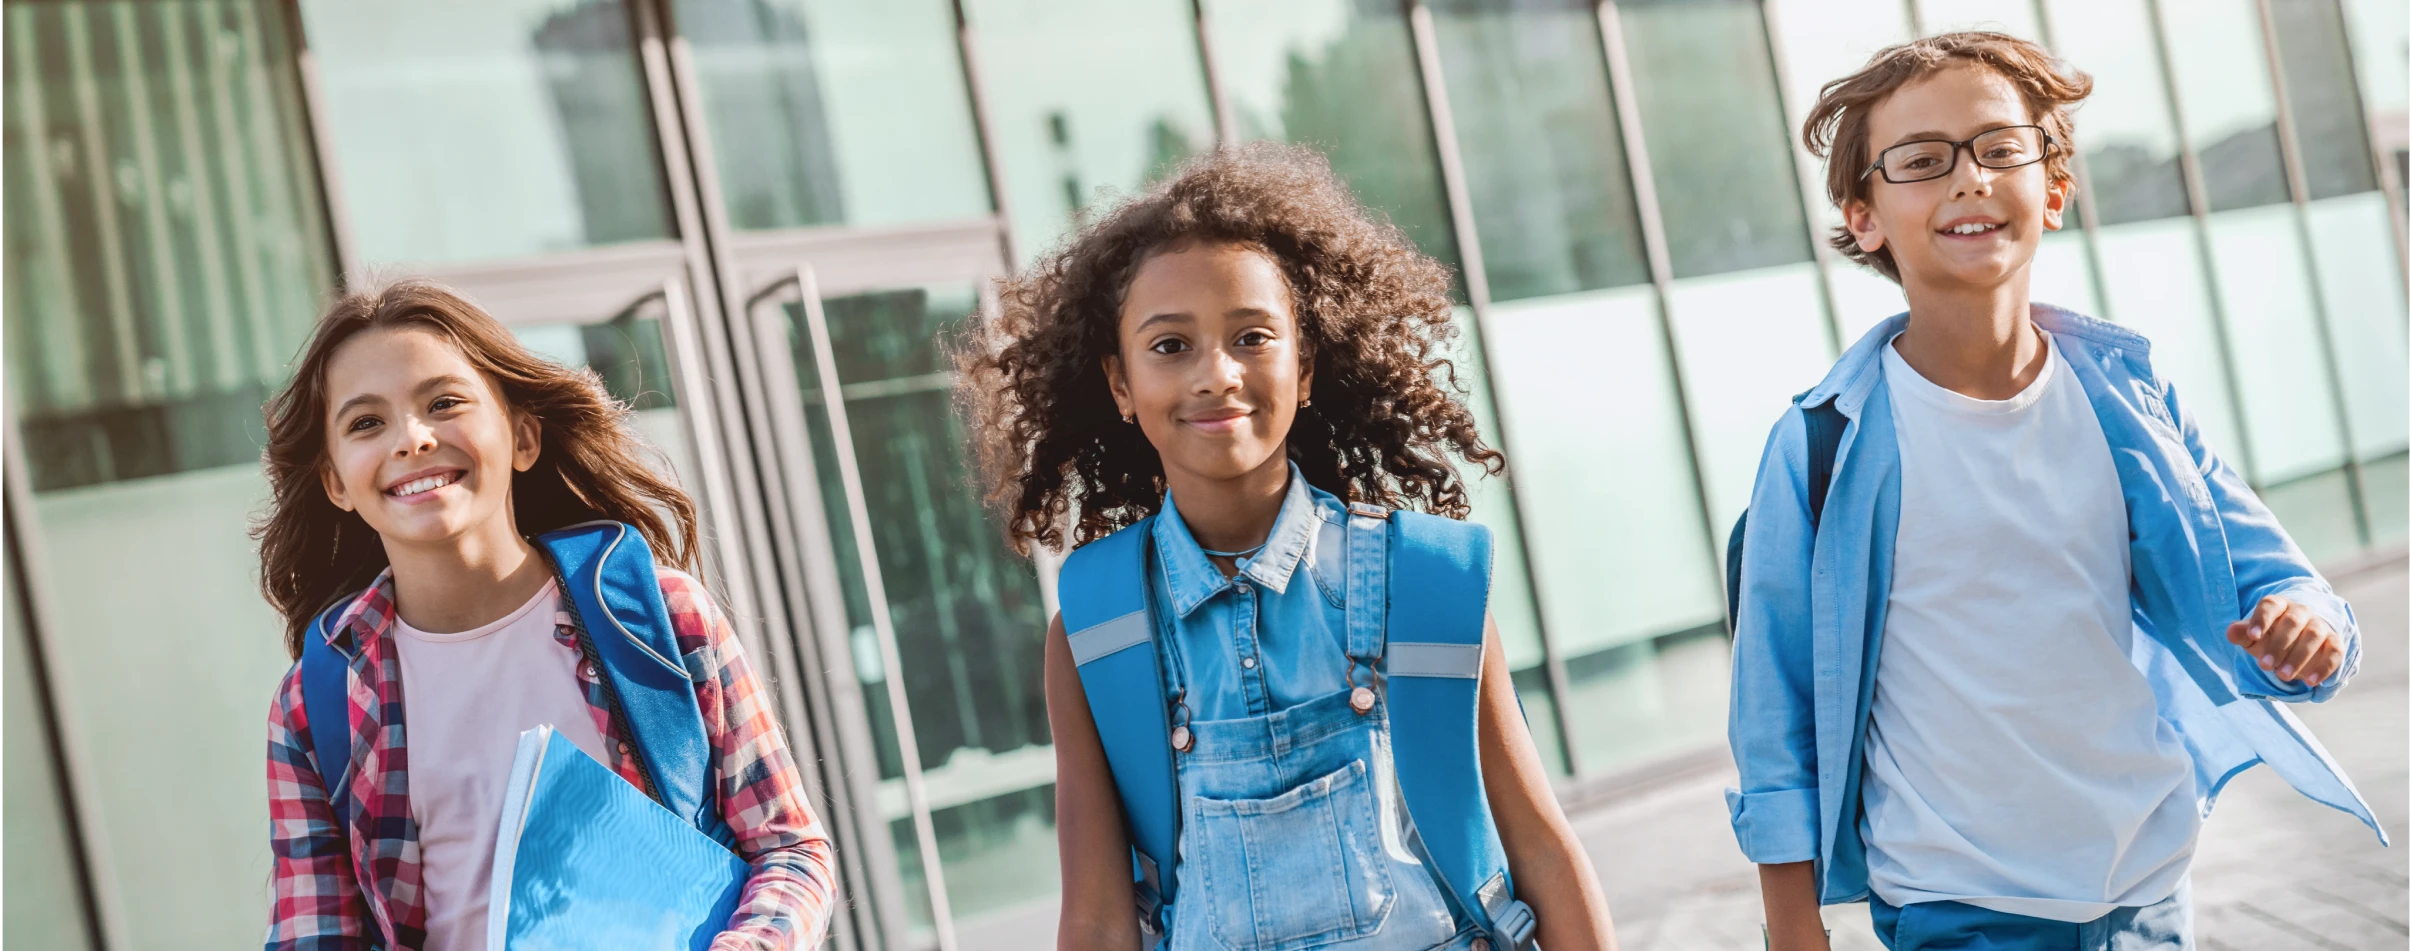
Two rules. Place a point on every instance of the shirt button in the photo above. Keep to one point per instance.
(1241, 587)
(1248, 662)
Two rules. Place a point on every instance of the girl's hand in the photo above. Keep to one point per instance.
(2289, 641)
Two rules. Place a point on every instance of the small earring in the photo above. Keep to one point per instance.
(1309, 401)
(1128, 418)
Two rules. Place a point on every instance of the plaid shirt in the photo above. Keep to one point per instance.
(320, 868)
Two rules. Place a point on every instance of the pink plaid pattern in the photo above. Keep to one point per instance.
(319, 903)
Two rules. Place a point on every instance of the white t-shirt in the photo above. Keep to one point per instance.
(466, 697)
(2015, 758)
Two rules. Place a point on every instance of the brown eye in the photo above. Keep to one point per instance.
(1168, 346)
(442, 403)
(360, 424)
(1255, 338)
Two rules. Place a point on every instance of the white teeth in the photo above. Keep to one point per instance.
(1972, 227)
(416, 486)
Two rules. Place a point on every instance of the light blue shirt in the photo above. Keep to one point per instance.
(2202, 551)
(1270, 637)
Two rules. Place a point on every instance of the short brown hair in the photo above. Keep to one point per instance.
(1837, 128)
(593, 465)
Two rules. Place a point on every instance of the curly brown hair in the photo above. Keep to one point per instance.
(1837, 127)
(1373, 314)
(592, 466)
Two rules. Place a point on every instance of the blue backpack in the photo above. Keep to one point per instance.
(1429, 637)
(1825, 425)
(606, 571)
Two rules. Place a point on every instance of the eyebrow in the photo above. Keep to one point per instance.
(431, 383)
(1159, 318)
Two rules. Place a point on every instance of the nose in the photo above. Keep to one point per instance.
(1969, 179)
(1220, 372)
(416, 437)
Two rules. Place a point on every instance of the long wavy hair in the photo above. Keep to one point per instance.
(1375, 319)
(592, 464)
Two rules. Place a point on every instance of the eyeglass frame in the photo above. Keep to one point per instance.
(1969, 144)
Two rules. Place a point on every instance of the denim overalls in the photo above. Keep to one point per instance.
(1293, 833)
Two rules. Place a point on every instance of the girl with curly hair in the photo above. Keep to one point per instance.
(1240, 380)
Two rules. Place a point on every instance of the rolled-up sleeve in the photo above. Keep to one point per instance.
(1772, 726)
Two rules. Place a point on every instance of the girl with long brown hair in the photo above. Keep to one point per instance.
(417, 451)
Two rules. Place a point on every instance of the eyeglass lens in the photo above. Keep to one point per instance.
(1999, 148)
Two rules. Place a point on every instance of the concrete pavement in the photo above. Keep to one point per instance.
(2274, 871)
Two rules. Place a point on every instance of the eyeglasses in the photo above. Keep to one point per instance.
(1929, 159)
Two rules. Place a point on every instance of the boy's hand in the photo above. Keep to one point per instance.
(2290, 641)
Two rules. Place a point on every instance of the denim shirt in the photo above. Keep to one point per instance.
(1270, 637)
(2203, 550)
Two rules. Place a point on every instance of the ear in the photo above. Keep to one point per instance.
(1860, 218)
(2057, 194)
(1306, 374)
(527, 440)
(1118, 384)
(333, 486)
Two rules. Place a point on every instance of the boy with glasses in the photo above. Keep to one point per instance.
(2003, 623)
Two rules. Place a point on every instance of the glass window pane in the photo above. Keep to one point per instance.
(2223, 93)
(1726, 189)
(2363, 290)
(2265, 295)
(2382, 51)
(1822, 41)
(967, 613)
(165, 256)
(2062, 274)
(42, 880)
(1544, 160)
(1625, 617)
(1342, 77)
(2124, 130)
(2154, 281)
(2016, 17)
(826, 113)
(2320, 94)
(1749, 341)
(471, 129)
(1086, 95)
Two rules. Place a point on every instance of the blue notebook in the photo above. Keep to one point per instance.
(585, 861)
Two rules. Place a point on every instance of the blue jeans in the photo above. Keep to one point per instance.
(1954, 926)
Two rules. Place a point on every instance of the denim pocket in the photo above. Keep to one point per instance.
(1295, 871)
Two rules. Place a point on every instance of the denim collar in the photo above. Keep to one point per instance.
(1857, 373)
(1192, 578)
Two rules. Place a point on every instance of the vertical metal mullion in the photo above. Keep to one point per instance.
(332, 205)
(1804, 183)
(102, 187)
(1662, 268)
(2088, 219)
(2298, 188)
(984, 126)
(106, 912)
(251, 33)
(1226, 119)
(181, 367)
(1917, 18)
(782, 564)
(1478, 293)
(2198, 204)
(883, 628)
(216, 272)
(61, 347)
(2382, 164)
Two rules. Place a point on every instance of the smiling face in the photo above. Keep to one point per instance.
(420, 443)
(1210, 363)
(1976, 227)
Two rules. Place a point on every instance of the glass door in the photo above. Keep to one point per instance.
(942, 707)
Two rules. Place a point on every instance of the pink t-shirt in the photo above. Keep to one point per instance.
(467, 697)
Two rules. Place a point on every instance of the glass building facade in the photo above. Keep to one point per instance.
(756, 218)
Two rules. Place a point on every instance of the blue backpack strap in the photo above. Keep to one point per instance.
(326, 687)
(1440, 585)
(1825, 429)
(607, 573)
(1103, 591)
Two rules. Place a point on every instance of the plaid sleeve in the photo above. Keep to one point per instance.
(788, 902)
(317, 905)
